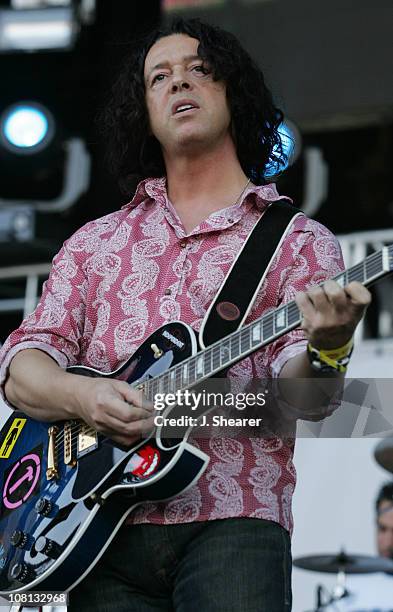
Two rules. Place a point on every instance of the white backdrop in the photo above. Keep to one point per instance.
(338, 480)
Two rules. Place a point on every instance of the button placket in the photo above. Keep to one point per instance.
(184, 245)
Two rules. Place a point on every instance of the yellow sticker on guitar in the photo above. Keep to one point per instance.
(11, 438)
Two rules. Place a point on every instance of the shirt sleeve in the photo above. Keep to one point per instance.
(310, 256)
(56, 325)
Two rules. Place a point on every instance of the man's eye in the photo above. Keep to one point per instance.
(158, 77)
(201, 68)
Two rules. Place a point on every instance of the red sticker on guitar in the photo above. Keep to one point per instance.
(145, 462)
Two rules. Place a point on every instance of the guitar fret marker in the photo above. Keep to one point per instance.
(280, 319)
(340, 280)
(199, 366)
(256, 333)
(185, 373)
(224, 353)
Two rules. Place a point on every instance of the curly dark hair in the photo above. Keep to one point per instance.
(135, 154)
(385, 494)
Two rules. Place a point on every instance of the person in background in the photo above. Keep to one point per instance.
(384, 516)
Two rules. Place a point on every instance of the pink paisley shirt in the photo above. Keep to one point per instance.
(122, 276)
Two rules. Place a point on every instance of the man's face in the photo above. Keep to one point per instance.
(174, 77)
(385, 530)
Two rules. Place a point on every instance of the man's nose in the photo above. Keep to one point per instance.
(179, 82)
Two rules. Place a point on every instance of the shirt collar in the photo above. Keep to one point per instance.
(155, 188)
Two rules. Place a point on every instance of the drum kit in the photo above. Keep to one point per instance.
(342, 563)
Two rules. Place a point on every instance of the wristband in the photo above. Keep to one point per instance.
(330, 360)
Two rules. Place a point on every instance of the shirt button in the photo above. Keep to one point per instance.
(168, 291)
(183, 244)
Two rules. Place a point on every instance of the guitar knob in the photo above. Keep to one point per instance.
(43, 506)
(47, 547)
(19, 538)
(21, 572)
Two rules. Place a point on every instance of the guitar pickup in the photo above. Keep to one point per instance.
(87, 440)
(52, 467)
(69, 459)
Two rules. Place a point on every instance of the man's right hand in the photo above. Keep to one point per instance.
(40, 388)
(113, 408)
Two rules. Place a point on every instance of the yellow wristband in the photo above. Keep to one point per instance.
(330, 359)
(337, 353)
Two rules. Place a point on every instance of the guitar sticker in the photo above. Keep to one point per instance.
(21, 480)
(11, 438)
(144, 462)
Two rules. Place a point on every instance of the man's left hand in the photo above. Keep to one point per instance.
(331, 313)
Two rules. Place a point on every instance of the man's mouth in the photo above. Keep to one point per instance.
(183, 107)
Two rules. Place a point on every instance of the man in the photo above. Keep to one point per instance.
(384, 512)
(191, 107)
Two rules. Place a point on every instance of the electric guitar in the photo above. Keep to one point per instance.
(66, 489)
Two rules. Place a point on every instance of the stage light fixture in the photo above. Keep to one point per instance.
(38, 29)
(26, 128)
(17, 224)
(35, 4)
(290, 149)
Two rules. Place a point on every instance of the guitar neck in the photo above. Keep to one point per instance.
(248, 339)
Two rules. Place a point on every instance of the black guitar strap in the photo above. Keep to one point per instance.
(233, 302)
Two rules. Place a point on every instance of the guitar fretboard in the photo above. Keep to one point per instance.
(257, 334)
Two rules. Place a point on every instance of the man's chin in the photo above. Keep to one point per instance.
(192, 140)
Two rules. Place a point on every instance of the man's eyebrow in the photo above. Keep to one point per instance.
(186, 58)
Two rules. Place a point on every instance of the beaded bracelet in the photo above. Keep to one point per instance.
(330, 360)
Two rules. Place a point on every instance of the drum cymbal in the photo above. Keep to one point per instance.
(383, 454)
(343, 562)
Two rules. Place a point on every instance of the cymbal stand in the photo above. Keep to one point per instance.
(339, 592)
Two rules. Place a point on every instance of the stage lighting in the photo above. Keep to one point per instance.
(38, 29)
(26, 128)
(290, 149)
(17, 224)
(35, 4)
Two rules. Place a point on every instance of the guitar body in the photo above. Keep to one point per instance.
(64, 496)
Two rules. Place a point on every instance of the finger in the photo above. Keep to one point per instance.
(335, 294)
(318, 298)
(111, 426)
(133, 396)
(129, 441)
(305, 305)
(358, 294)
(126, 412)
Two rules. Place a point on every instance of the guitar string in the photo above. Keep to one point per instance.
(372, 266)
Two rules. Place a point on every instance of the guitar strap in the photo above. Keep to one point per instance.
(229, 309)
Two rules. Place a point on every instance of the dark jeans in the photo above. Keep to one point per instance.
(229, 565)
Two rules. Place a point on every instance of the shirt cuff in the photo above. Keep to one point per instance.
(58, 356)
(289, 351)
